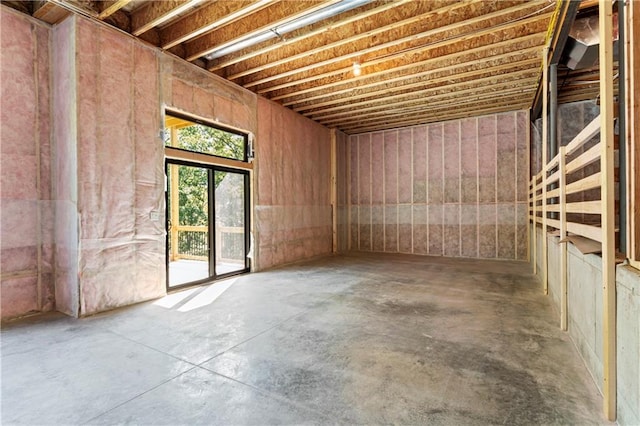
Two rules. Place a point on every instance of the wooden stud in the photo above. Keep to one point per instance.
(375, 114)
(534, 229)
(175, 204)
(545, 154)
(608, 211)
(334, 188)
(632, 86)
(404, 120)
(453, 100)
(562, 169)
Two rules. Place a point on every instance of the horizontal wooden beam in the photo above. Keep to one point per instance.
(457, 71)
(585, 135)
(109, 7)
(403, 110)
(329, 24)
(521, 78)
(590, 156)
(272, 16)
(448, 105)
(314, 84)
(405, 121)
(381, 25)
(49, 12)
(200, 158)
(461, 38)
(156, 13)
(206, 18)
(590, 182)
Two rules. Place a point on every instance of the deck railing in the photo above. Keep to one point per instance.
(193, 243)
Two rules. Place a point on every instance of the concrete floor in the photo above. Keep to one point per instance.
(358, 339)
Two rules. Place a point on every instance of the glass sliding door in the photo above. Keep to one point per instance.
(230, 202)
(207, 225)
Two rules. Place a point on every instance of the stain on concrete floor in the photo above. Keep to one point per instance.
(357, 339)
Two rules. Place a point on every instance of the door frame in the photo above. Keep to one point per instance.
(211, 169)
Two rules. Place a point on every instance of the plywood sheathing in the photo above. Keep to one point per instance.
(26, 223)
(457, 188)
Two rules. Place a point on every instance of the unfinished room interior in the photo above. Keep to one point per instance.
(320, 212)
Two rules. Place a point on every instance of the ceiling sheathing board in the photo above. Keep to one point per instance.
(453, 54)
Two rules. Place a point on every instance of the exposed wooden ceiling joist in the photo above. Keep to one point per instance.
(355, 32)
(372, 118)
(158, 12)
(109, 7)
(48, 11)
(461, 88)
(419, 60)
(342, 76)
(445, 114)
(300, 35)
(206, 18)
(275, 14)
(391, 89)
(436, 39)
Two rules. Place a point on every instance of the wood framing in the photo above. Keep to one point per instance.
(562, 202)
(109, 7)
(208, 17)
(157, 13)
(196, 157)
(334, 189)
(632, 86)
(545, 154)
(302, 53)
(608, 212)
(277, 13)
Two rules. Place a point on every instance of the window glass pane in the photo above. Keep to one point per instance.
(207, 140)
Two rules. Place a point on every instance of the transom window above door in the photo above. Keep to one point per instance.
(195, 136)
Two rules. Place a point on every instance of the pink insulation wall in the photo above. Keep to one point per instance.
(26, 215)
(292, 203)
(456, 189)
(105, 245)
(119, 171)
